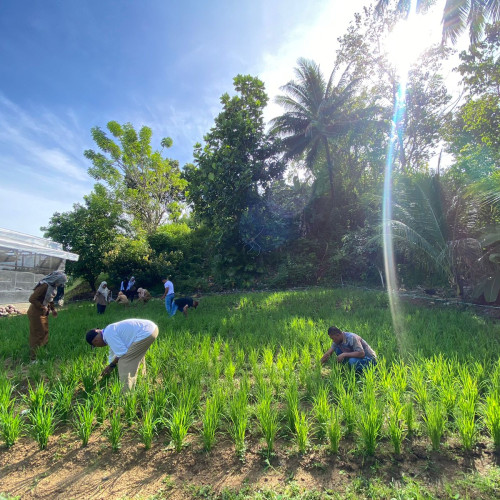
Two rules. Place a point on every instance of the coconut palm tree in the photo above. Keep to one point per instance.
(317, 111)
(457, 15)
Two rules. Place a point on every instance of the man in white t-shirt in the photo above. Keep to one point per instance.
(128, 341)
(168, 295)
(351, 347)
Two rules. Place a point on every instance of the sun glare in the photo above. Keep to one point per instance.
(411, 37)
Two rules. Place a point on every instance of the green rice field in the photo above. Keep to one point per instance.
(241, 376)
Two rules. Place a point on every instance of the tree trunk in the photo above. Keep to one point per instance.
(329, 164)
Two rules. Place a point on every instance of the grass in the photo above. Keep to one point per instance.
(247, 366)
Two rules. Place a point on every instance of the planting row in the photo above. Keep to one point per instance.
(212, 391)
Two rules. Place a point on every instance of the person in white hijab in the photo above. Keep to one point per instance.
(102, 297)
(42, 302)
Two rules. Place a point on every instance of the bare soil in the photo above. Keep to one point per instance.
(66, 470)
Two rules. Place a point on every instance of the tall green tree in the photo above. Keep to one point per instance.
(237, 162)
(149, 186)
(316, 112)
(90, 230)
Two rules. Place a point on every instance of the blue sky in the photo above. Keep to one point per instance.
(69, 65)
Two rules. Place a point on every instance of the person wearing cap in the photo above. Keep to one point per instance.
(183, 304)
(128, 342)
(41, 304)
(351, 347)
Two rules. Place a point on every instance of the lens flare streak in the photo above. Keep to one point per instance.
(388, 243)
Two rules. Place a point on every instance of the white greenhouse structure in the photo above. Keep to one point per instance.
(25, 260)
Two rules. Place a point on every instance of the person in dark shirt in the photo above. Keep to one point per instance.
(183, 304)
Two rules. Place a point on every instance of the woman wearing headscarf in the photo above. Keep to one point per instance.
(102, 297)
(143, 295)
(42, 303)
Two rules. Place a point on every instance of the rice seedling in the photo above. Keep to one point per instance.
(101, 407)
(333, 430)
(62, 396)
(10, 425)
(465, 421)
(69, 374)
(130, 407)
(321, 411)
(409, 417)
(370, 416)
(395, 427)
(267, 359)
(115, 432)
(181, 419)
(210, 420)
(154, 366)
(292, 403)
(267, 417)
(302, 427)
(147, 427)
(160, 402)
(305, 364)
(240, 360)
(90, 374)
(42, 424)
(253, 357)
(238, 420)
(37, 397)
(262, 386)
(419, 385)
(347, 403)
(435, 421)
(229, 371)
(115, 392)
(313, 382)
(6, 390)
(142, 391)
(491, 412)
(84, 415)
(399, 376)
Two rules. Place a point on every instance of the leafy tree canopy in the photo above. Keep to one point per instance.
(238, 161)
(90, 230)
(148, 185)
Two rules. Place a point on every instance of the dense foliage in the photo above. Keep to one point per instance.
(298, 201)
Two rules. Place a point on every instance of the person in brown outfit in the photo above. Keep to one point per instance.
(101, 297)
(143, 295)
(42, 303)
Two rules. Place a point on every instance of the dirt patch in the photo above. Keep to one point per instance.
(66, 470)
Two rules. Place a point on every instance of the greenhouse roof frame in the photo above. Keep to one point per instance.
(25, 242)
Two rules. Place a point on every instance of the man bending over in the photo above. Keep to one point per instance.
(128, 341)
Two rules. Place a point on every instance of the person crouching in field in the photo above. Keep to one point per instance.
(121, 298)
(143, 295)
(42, 302)
(183, 304)
(128, 341)
(351, 347)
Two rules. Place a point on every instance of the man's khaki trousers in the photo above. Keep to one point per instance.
(128, 365)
